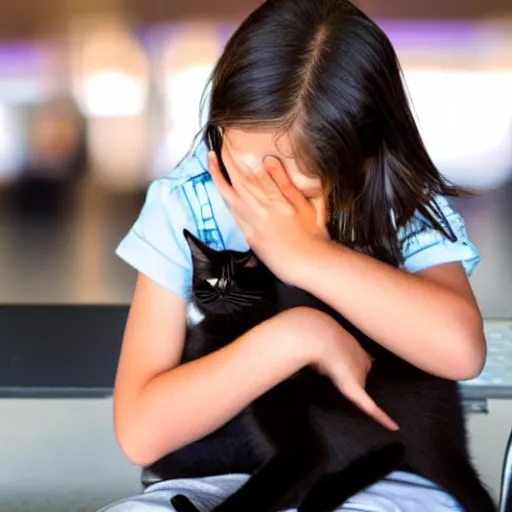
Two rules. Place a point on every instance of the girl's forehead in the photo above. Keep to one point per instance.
(263, 142)
(250, 147)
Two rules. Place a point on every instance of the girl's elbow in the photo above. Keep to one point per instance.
(134, 455)
(132, 447)
(131, 432)
(472, 349)
(474, 363)
(138, 446)
(138, 449)
(470, 367)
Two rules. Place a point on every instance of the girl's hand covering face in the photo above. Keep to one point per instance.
(279, 223)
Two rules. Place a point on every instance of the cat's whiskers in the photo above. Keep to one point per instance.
(208, 298)
(240, 301)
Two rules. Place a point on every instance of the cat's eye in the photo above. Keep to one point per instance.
(213, 281)
(251, 262)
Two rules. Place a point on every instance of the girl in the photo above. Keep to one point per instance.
(318, 166)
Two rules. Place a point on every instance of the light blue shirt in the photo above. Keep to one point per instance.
(187, 199)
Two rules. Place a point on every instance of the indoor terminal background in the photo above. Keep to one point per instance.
(99, 98)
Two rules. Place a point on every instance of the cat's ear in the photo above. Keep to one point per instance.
(201, 253)
(246, 259)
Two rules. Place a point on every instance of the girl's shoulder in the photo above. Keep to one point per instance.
(193, 166)
(423, 246)
(190, 188)
(186, 198)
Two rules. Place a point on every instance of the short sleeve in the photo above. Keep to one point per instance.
(155, 245)
(423, 246)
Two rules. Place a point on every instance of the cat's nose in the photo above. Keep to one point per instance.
(222, 285)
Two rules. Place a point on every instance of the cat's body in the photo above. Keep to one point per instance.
(306, 445)
(231, 448)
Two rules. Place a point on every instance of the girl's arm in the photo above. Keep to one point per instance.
(160, 406)
(430, 319)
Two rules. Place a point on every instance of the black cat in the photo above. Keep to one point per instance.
(312, 448)
(234, 293)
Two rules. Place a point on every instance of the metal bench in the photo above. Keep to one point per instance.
(71, 351)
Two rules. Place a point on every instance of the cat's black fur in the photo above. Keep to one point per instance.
(304, 443)
(229, 311)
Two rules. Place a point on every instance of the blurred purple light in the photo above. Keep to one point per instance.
(21, 57)
(430, 34)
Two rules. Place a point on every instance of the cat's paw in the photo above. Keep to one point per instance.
(183, 504)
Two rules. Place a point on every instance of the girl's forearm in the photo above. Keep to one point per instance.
(424, 323)
(194, 399)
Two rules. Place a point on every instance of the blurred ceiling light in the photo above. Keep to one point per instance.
(465, 118)
(183, 119)
(12, 146)
(113, 94)
(110, 77)
(188, 59)
(110, 70)
(118, 149)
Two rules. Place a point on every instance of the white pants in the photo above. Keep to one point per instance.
(400, 492)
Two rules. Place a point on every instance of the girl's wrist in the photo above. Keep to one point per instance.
(298, 330)
(284, 337)
(302, 270)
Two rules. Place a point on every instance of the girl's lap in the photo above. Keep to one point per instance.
(400, 493)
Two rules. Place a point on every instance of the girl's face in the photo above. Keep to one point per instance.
(249, 148)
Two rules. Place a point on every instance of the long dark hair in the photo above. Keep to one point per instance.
(324, 73)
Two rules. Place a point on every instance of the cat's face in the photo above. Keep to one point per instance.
(229, 282)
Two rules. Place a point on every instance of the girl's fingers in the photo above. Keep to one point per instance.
(322, 215)
(359, 397)
(237, 199)
(226, 190)
(237, 204)
(245, 228)
(277, 172)
(266, 183)
(246, 182)
(253, 179)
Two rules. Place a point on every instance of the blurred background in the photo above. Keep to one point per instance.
(98, 98)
